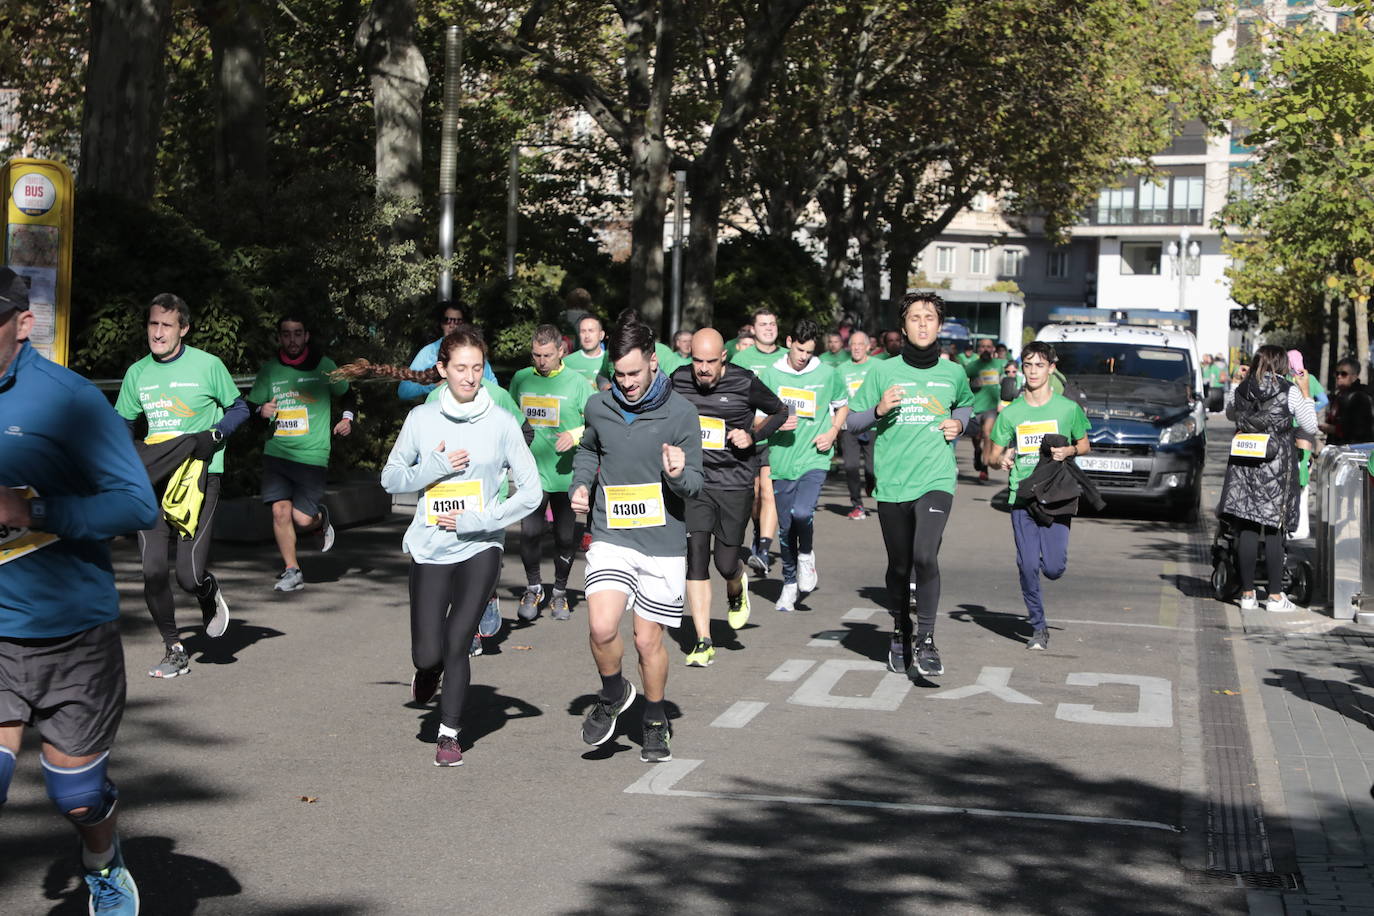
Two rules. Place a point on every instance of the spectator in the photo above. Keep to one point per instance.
(1350, 415)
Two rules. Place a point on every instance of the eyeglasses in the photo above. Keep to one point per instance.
(453, 321)
(1342, 375)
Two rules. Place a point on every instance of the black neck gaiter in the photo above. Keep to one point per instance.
(920, 357)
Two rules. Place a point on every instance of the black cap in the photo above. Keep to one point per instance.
(14, 292)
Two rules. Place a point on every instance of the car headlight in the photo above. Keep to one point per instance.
(1181, 431)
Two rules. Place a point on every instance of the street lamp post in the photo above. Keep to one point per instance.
(1186, 256)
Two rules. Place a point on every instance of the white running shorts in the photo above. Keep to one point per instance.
(655, 585)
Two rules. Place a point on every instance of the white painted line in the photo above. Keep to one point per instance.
(1095, 623)
(1155, 709)
(739, 715)
(861, 613)
(827, 639)
(661, 779)
(791, 670)
(887, 694)
(990, 680)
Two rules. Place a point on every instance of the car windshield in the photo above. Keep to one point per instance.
(1165, 364)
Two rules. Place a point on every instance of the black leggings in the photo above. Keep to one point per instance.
(857, 455)
(193, 560)
(532, 529)
(912, 532)
(700, 552)
(1248, 537)
(446, 603)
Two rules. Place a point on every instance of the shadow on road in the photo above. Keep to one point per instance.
(484, 711)
(1008, 626)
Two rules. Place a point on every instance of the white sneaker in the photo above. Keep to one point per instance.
(787, 601)
(1249, 604)
(1281, 606)
(806, 571)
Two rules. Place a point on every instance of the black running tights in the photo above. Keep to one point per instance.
(446, 603)
(700, 554)
(912, 532)
(1248, 538)
(532, 530)
(192, 565)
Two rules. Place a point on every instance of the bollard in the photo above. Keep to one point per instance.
(1347, 566)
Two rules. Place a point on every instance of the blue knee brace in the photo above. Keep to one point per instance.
(6, 772)
(82, 787)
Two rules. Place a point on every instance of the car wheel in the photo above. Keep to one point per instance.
(1224, 582)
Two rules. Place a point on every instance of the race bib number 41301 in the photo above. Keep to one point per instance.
(452, 496)
(637, 506)
(18, 542)
(801, 400)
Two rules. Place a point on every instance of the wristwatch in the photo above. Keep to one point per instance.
(216, 434)
(38, 513)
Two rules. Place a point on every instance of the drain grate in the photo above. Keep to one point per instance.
(1255, 880)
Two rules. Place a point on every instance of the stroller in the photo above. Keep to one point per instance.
(1297, 574)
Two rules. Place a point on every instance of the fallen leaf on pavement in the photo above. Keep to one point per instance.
(522, 648)
(310, 799)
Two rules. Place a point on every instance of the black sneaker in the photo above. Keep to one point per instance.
(214, 610)
(899, 654)
(1040, 639)
(928, 658)
(600, 722)
(424, 684)
(656, 738)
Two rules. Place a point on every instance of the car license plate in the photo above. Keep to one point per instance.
(1097, 463)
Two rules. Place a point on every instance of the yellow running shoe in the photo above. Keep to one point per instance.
(738, 614)
(702, 655)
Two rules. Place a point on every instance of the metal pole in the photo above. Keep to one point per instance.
(680, 183)
(512, 202)
(1182, 266)
(448, 155)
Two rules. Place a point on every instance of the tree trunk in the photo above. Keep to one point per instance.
(901, 254)
(703, 236)
(871, 261)
(237, 48)
(386, 40)
(832, 201)
(1361, 310)
(649, 199)
(125, 83)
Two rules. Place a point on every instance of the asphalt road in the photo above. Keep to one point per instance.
(289, 773)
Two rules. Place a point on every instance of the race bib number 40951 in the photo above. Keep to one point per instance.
(1250, 445)
(637, 506)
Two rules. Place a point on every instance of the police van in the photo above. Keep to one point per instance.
(1138, 375)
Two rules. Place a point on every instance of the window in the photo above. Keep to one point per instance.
(944, 259)
(1141, 257)
(1241, 183)
(1057, 266)
(1116, 206)
(1154, 203)
(978, 261)
(1187, 199)
(1013, 262)
(1191, 140)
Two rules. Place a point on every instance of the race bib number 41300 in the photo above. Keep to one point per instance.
(637, 506)
(453, 496)
(17, 542)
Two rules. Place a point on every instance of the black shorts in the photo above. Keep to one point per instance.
(71, 688)
(303, 484)
(724, 513)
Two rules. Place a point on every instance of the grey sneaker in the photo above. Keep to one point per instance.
(290, 580)
(214, 610)
(1040, 639)
(475, 649)
(490, 624)
(326, 530)
(600, 722)
(173, 664)
(558, 605)
(529, 604)
(899, 654)
(656, 748)
(928, 657)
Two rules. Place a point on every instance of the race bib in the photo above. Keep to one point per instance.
(712, 433)
(1250, 445)
(988, 377)
(637, 506)
(1028, 435)
(155, 438)
(452, 496)
(539, 411)
(293, 421)
(854, 385)
(802, 400)
(18, 542)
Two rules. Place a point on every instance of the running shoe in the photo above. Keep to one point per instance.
(173, 664)
(787, 601)
(529, 603)
(214, 610)
(490, 624)
(807, 579)
(702, 655)
(326, 530)
(899, 654)
(113, 891)
(928, 657)
(1249, 604)
(738, 614)
(757, 563)
(448, 753)
(1040, 639)
(475, 649)
(656, 738)
(600, 722)
(857, 513)
(1282, 606)
(424, 684)
(559, 608)
(290, 580)
(982, 476)
(586, 542)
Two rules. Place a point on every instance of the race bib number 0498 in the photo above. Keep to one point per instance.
(293, 421)
(637, 506)
(454, 496)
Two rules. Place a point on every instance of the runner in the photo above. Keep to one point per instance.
(920, 405)
(295, 394)
(726, 398)
(892, 344)
(457, 451)
(69, 481)
(191, 405)
(641, 451)
(448, 316)
(857, 448)
(985, 380)
(835, 353)
(1016, 447)
(817, 407)
(589, 360)
(760, 356)
(551, 400)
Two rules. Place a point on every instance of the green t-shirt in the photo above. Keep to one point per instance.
(853, 374)
(811, 395)
(985, 378)
(835, 359)
(304, 424)
(1023, 425)
(754, 360)
(669, 363)
(499, 397)
(186, 395)
(1211, 373)
(910, 455)
(552, 405)
(588, 367)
